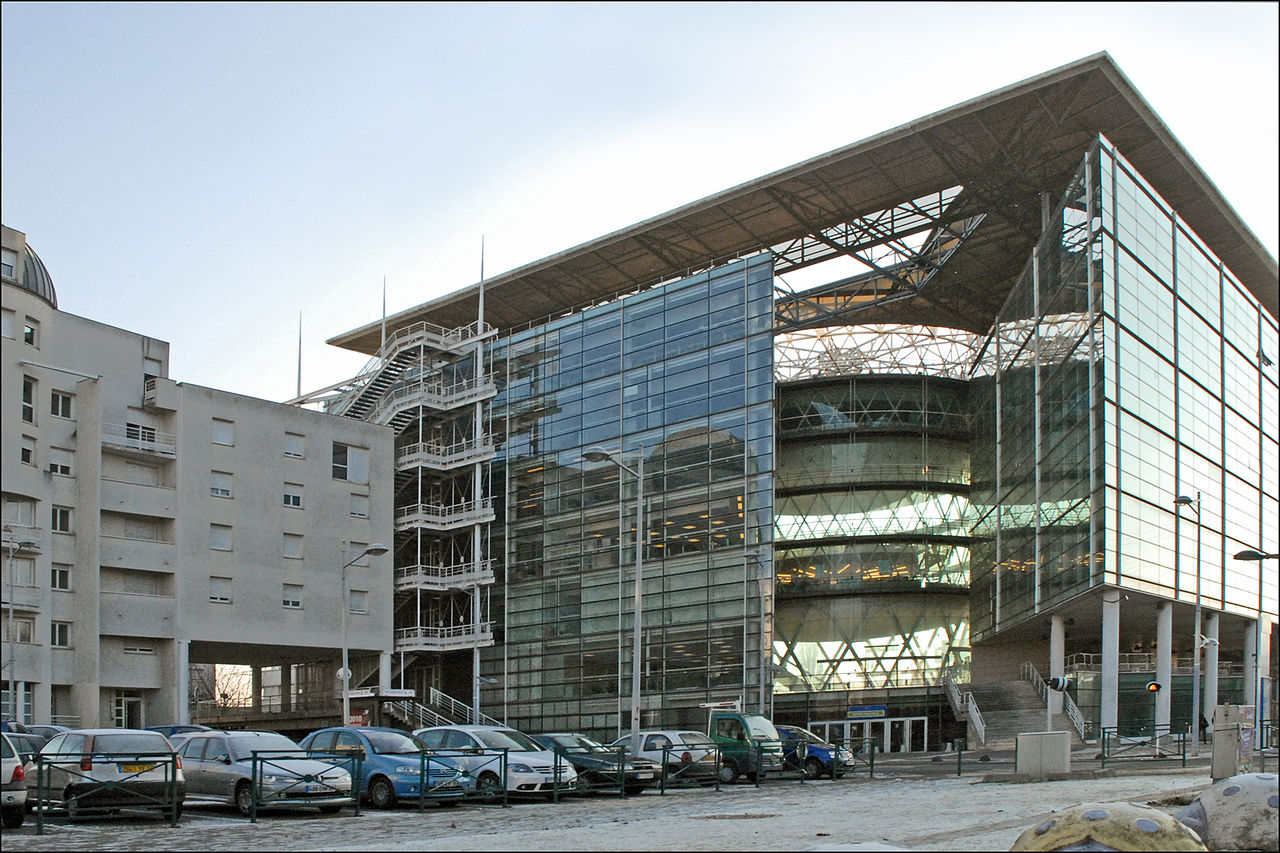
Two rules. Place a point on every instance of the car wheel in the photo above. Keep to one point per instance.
(489, 785)
(632, 790)
(13, 818)
(812, 768)
(728, 771)
(381, 793)
(244, 798)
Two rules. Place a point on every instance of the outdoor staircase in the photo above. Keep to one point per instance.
(1010, 708)
(442, 710)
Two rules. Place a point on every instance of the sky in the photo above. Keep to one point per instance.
(233, 178)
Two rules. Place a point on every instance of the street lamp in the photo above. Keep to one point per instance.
(601, 455)
(1254, 556)
(15, 711)
(375, 550)
(1196, 713)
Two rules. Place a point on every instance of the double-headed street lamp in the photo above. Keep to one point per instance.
(1256, 556)
(375, 550)
(600, 455)
(1196, 713)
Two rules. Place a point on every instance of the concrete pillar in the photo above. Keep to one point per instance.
(1209, 699)
(255, 682)
(182, 675)
(384, 671)
(286, 687)
(1251, 668)
(1057, 659)
(1164, 661)
(1109, 717)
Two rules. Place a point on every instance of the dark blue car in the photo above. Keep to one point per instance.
(805, 751)
(391, 764)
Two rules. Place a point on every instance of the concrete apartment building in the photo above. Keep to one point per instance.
(152, 526)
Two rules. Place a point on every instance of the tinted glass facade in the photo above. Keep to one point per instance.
(1128, 367)
(682, 375)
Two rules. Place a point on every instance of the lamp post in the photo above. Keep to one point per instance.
(601, 455)
(15, 710)
(375, 550)
(1179, 502)
(1259, 709)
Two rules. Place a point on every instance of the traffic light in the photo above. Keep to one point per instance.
(1057, 683)
(1154, 686)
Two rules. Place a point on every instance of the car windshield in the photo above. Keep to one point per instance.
(761, 727)
(508, 739)
(696, 739)
(150, 742)
(243, 746)
(579, 743)
(393, 743)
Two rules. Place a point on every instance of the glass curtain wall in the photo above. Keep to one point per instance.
(682, 375)
(1129, 366)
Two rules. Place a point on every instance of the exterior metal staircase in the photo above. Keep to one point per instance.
(443, 710)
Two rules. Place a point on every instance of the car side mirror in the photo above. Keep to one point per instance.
(226, 759)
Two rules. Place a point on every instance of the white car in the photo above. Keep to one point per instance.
(13, 784)
(687, 757)
(531, 768)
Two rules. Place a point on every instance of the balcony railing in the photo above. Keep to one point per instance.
(437, 517)
(424, 638)
(141, 439)
(444, 456)
(434, 394)
(442, 578)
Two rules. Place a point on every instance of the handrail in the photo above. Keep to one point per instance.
(458, 709)
(1028, 672)
(416, 713)
(963, 704)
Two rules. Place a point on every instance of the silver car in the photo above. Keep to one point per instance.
(94, 771)
(223, 767)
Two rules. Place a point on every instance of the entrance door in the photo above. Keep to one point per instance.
(127, 710)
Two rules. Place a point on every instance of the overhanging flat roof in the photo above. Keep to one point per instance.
(1004, 148)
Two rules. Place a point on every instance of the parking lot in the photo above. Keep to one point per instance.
(909, 805)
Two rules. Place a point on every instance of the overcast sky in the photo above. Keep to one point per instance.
(208, 173)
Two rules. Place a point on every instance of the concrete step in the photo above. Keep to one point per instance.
(1010, 708)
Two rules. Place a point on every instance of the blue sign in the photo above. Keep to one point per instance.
(868, 712)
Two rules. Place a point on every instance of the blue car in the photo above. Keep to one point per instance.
(803, 750)
(391, 764)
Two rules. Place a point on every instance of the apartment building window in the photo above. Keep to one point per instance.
(293, 546)
(20, 511)
(293, 495)
(139, 650)
(152, 367)
(295, 446)
(139, 432)
(6, 323)
(60, 461)
(291, 596)
(220, 590)
(356, 555)
(359, 602)
(8, 263)
(220, 537)
(224, 432)
(28, 400)
(350, 463)
(24, 571)
(60, 404)
(60, 519)
(31, 332)
(60, 576)
(359, 506)
(28, 451)
(19, 629)
(60, 635)
(220, 484)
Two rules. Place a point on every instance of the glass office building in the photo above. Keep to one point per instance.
(990, 393)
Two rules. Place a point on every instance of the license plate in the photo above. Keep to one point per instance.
(316, 789)
(644, 775)
(135, 768)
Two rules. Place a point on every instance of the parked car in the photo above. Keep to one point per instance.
(391, 764)
(220, 767)
(684, 756)
(531, 767)
(98, 769)
(27, 744)
(48, 730)
(13, 785)
(598, 765)
(803, 750)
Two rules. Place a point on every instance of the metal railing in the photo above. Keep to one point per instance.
(460, 710)
(1029, 673)
(98, 783)
(965, 707)
(288, 787)
(415, 714)
(1149, 743)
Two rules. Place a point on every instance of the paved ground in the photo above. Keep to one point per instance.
(911, 804)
